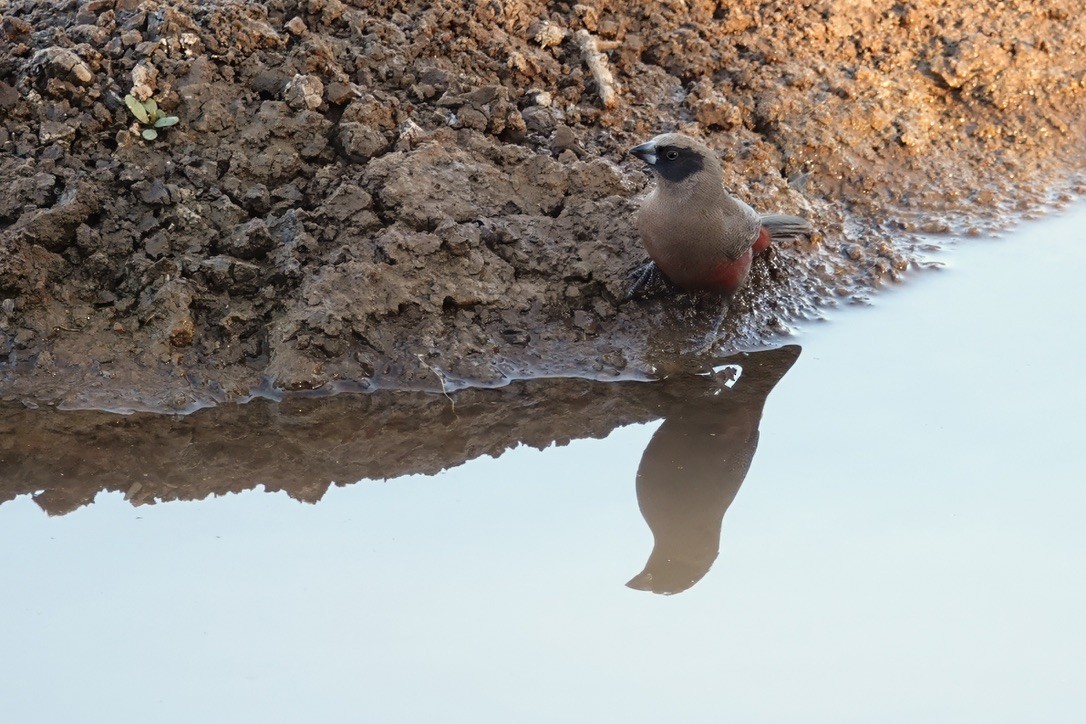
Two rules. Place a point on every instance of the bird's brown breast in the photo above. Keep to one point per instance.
(695, 242)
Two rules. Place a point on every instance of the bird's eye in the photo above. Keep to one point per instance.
(672, 155)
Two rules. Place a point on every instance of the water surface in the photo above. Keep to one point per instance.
(904, 542)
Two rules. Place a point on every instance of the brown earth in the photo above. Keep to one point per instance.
(409, 194)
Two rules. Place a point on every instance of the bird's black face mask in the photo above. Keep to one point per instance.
(673, 163)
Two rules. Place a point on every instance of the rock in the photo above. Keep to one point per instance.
(154, 193)
(250, 240)
(8, 95)
(411, 135)
(62, 62)
(347, 202)
(340, 93)
(296, 26)
(565, 140)
(360, 142)
(372, 111)
(54, 228)
(156, 247)
(256, 198)
(144, 80)
(539, 120)
(547, 34)
(304, 91)
(469, 118)
(56, 132)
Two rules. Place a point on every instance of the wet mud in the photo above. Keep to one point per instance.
(429, 196)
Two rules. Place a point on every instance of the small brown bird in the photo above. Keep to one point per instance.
(700, 237)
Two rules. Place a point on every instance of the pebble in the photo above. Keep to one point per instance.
(296, 26)
(304, 91)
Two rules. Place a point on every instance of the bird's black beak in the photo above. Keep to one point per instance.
(646, 152)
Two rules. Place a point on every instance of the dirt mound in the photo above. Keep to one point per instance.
(436, 194)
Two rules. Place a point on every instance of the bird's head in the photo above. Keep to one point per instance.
(675, 157)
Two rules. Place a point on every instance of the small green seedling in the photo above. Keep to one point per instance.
(149, 114)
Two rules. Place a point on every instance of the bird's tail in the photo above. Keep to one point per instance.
(781, 226)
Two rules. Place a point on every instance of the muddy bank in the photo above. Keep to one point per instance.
(436, 194)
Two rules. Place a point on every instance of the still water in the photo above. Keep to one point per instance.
(899, 535)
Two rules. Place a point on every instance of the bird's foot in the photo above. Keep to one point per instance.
(716, 331)
(645, 276)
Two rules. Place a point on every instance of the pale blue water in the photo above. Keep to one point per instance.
(907, 546)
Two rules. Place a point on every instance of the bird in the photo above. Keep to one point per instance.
(697, 235)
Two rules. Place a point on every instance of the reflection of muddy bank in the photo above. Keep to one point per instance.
(348, 195)
(64, 458)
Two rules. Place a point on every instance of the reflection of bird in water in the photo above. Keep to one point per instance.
(696, 461)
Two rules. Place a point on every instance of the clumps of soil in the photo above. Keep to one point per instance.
(431, 195)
